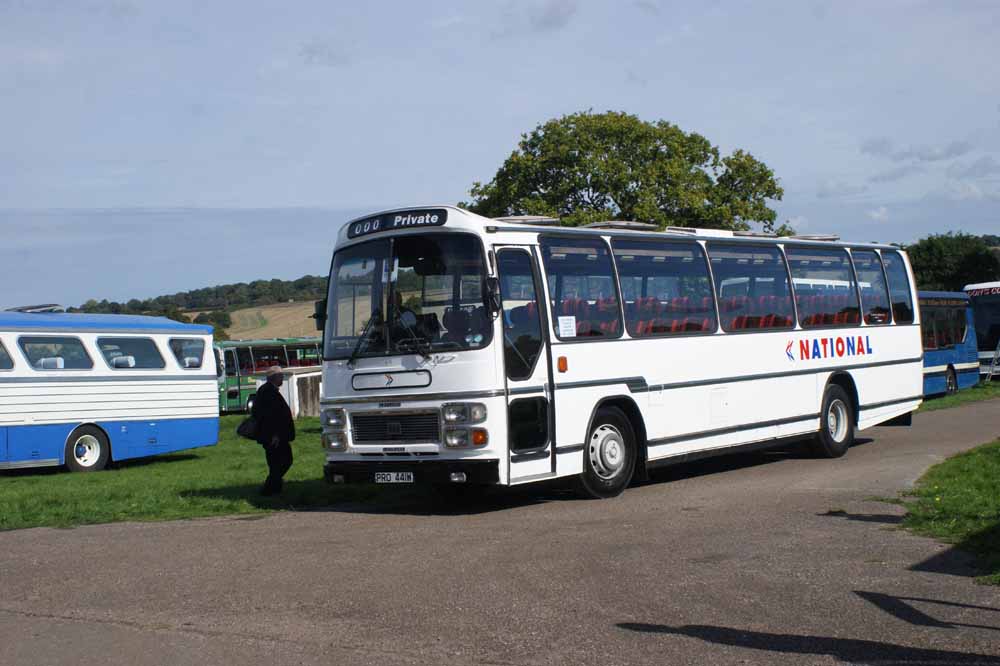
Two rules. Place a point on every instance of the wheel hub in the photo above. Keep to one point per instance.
(836, 420)
(607, 451)
(87, 451)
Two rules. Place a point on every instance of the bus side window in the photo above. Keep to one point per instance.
(874, 291)
(585, 301)
(757, 273)
(522, 331)
(825, 291)
(232, 368)
(670, 291)
(899, 287)
(244, 360)
(6, 362)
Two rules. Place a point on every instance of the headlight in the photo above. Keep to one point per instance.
(334, 441)
(463, 412)
(461, 438)
(456, 438)
(335, 418)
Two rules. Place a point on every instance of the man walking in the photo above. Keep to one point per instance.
(275, 429)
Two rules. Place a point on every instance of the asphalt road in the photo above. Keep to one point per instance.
(770, 558)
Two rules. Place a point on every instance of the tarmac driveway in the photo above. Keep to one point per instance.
(770, 558)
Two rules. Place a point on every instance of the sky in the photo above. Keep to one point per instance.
(153, 147)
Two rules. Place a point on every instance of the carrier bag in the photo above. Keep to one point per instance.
(248, 428)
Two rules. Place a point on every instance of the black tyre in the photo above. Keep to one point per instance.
(87, 450)
(836, 431)
(950, 382)
(609, 455)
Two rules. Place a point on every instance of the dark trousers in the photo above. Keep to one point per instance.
(279, 459)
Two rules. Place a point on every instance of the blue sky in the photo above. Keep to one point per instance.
(150, 147)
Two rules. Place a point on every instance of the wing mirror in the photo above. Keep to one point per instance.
(319, 314)
(493, 294)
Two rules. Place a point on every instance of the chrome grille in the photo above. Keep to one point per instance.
(396, 427)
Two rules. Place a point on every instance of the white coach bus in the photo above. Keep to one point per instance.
(80, 390)
(462, 349)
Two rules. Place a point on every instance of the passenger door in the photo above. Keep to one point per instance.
(527, 366)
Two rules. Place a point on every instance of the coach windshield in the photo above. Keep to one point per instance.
(413, 294)
(987, 315)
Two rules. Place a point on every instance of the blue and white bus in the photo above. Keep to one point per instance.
(81, 390)
(951, 355)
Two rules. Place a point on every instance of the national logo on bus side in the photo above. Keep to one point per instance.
(835, 347)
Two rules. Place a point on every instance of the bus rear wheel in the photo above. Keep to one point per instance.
(87, 450)
(836, 423)
(950, 382)
(609, 455)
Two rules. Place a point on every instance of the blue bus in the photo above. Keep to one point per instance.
(81, 390)
(951, 355)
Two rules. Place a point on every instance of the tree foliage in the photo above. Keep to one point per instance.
(587, 167)
(950, 261)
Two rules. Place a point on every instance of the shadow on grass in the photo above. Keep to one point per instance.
(850, 650)
(112, 466)
(977, 555)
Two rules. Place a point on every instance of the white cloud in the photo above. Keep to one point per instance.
(799, 222)
(884, 147)
(984, 166)
(896, 173)
(880, 214)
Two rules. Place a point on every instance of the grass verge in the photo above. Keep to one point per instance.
(975, 394)
(217, 480)
(958, 502)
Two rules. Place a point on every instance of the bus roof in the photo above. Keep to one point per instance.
(263, 342)
(457, 218)
(982, 285)
(110, 323)
(943, 294)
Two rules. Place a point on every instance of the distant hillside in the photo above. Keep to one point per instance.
(281, 320)
(221, 297)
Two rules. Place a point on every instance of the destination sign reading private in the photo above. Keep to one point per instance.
(427, 217)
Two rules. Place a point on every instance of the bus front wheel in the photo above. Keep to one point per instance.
(87, 450)
(609, 455)
(836, 423)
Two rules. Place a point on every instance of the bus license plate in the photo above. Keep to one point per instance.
(393, 477)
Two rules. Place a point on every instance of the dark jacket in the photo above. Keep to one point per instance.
(273, 415)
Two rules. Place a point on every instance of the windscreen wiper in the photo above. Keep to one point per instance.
(424, 351)
(363, 337)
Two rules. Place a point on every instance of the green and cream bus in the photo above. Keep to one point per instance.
(246, 361)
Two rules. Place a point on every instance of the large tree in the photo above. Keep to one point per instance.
(598, 166)
(951, 261)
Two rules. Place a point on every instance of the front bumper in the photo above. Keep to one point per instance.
(424, 471)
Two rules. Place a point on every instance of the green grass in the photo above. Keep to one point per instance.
(975, 394)
(217, 480)
(958, 502)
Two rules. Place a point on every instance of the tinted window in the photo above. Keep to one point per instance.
(943, 323)
(44, 353)
(825, 291)
(582, 288)
(232, 369)
(522, 331)
(874, 292)
(244, 361)
(669, 291)
(899, 287)
(265, 357)
(189, 352)
(752, 286)
(128, 353)
(6, 362)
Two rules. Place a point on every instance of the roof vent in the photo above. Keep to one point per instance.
(754, 234)
(622, 225)
(692, 231)
(534, 220)
(828, 238)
